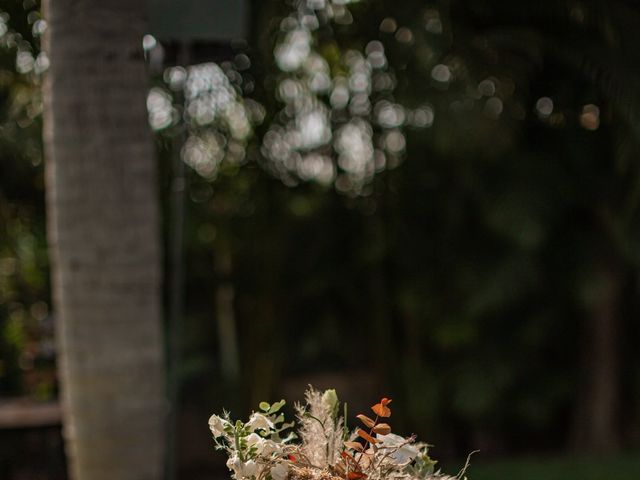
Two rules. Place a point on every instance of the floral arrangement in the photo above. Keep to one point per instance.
(266, 447)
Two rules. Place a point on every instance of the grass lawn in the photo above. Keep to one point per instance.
(619, 467)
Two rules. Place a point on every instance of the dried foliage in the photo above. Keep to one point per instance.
(320, 427)
(260, 449)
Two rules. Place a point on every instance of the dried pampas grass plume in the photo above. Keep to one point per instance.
(320, 428)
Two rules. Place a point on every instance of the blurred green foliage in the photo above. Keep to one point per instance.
(26, 336)
(469, 272)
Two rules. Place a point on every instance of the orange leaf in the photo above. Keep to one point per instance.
(381, 410)
(355, 445)
(366, 420)
(348, 457)
(385, 401)
(355, 475)
(361, 433)
(382, 429)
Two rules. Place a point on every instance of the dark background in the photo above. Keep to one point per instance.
(485, 276)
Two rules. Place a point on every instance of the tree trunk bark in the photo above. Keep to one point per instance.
(225, 310)
(595, 430)
(103, 233)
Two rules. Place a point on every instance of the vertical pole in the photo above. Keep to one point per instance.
(175, 281)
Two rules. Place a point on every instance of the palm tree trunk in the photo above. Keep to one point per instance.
(104, 238)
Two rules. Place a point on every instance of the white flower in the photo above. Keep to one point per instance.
(242, 469)
(234, 464)
(258, 421)
(263, 446)
(254, 439)
(216, 424)
(279, 471)
(249, 469)
(400, 451)
(269, 447)
(231, 462)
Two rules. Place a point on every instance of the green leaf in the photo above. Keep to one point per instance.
(277, 406)
(424, 464)
(264, 406)
(345, 427)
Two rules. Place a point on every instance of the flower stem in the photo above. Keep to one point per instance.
(236, 438)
